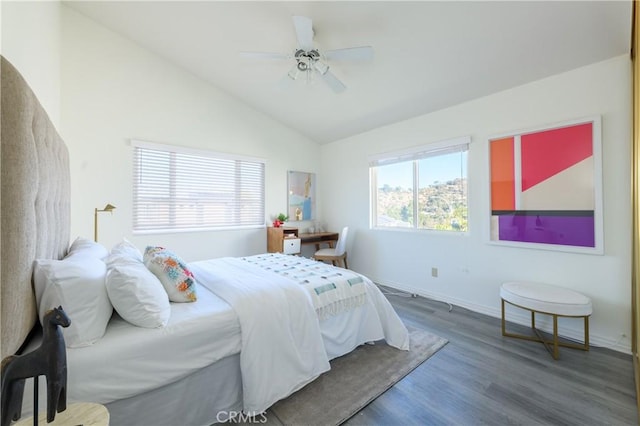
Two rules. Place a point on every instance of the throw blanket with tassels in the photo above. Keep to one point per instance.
(332, 290)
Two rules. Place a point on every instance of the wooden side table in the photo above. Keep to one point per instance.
(81, 413)
(283, 240)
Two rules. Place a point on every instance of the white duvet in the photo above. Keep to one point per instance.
(282, 348)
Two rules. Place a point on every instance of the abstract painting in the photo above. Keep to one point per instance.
(546, 188)
(301, 196)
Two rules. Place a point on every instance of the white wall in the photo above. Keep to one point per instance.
(113, 91)
(31, 42)
(470, 270)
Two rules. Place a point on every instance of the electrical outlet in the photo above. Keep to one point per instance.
(434, 272)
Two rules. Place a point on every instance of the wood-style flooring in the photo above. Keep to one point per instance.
(483, 378)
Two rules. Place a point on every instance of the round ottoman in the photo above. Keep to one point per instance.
(551, 300)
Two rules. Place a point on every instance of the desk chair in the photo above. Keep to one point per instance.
(338, 253)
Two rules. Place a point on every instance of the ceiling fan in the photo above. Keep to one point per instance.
(309, 61)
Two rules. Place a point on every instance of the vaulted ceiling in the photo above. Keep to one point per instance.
(428, 55)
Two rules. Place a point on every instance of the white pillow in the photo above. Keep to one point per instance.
(127, 249)
(77, 284)
(177, 280)
(86, 247)
(136, 294)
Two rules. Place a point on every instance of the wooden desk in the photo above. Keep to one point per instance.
(318, 238)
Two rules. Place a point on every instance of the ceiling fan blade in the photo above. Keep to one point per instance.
(361, 53)
(304, 32)
(333, 82)
(264, 55)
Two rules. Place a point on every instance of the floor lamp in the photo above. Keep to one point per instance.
(108, 208)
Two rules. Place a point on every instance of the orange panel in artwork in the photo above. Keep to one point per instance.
(502, 175)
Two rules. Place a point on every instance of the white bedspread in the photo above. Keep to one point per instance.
(282, 348)
(354, 312)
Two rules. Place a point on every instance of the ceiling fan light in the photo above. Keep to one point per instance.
(294, 73)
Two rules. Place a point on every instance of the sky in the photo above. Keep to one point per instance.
(441, 168)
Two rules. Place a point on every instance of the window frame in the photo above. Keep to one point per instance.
(205, 155)
(414, 155)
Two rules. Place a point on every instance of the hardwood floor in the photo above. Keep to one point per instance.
(480, 377)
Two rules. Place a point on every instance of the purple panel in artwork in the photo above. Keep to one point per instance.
(561, 230)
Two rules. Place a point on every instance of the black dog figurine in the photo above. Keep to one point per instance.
(50, 360)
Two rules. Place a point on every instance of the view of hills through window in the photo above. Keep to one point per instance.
(441, 195)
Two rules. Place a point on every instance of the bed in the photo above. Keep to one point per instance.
(234, 348)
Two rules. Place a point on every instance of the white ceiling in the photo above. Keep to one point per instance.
(428, 55)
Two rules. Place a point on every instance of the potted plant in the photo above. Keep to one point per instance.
(280, 220)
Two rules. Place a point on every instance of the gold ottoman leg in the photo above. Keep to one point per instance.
(555, 337)
(586, 333)
(504, 333)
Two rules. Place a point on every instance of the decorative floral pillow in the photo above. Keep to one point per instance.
(177, 280)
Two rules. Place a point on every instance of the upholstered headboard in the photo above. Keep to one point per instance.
(34, 207)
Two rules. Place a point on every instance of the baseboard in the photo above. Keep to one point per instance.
(543, 322)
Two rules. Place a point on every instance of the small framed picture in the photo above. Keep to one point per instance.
(301, 196)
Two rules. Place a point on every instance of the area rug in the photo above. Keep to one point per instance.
(355, 380)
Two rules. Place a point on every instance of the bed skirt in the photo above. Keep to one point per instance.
(208, 396)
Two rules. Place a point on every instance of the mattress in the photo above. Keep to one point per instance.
(197, 335)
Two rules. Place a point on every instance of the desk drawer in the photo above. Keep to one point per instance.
(291, 245)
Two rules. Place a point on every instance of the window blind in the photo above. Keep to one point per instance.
(424, 151)
(183, 189)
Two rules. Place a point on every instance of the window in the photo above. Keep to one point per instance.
(176, 188)
(421, 188)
